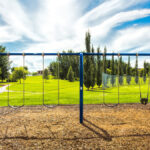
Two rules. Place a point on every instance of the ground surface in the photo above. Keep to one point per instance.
(121, 127)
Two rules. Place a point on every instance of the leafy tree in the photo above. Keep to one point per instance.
(112, 71)
(99, 69)
(4, 64)
(34, 74)
(45, 74)
(128, 71)
(13, 68)
(70, 74)
(108, 71)
(19, 73)
(136, 71)
(93, 69)
(64, 63)
(87, 62)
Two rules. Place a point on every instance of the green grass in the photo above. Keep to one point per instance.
(68, 93)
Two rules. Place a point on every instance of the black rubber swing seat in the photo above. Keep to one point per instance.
(144, 101)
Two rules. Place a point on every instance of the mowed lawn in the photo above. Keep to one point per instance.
(68, 93)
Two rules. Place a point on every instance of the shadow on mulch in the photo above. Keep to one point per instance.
(104, 134)
(97, 130)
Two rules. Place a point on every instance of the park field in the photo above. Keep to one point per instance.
(65, 92)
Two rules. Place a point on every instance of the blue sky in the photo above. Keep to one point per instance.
(53, 26)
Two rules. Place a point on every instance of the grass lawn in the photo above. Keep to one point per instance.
(68, 93)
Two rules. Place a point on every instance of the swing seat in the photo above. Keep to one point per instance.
(144, 101)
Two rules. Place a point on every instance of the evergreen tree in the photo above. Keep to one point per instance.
(120, 71)
(112, 71)
(128, 71)
(70, 74)
(104, 60)
(144, 72)
(87, 63)
(93, 69)
(136, 71)
(99, 69)
(4, 64)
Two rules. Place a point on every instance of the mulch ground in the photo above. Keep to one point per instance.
(126, 126)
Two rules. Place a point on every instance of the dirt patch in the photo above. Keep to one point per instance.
(122, 127)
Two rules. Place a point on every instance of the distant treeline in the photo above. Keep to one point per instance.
(95, 65)
(67, 67)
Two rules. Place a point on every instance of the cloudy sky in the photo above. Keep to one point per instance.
(56, 25)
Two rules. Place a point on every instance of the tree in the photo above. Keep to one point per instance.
(70, 74)
(34, 74)
(112, 71)
(141, 72)
(53, 68)
(87, 63)
(99, 69)
(4, 64)
(136, 71)
(64, 63)
(93, 69)
(45, 74)
(144, 72)
(120, 71)
(128, 71)
(104, 60)
(19, 73)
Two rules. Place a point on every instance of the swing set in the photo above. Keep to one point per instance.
(143, 100)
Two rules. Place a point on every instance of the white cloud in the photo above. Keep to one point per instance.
(59, 25)
(103, 29)
(130, 38)
(8, 35)
(15, 17)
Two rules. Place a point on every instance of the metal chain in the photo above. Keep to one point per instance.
(118, 75)
(103, 80)
(58, 77)
(118, 84)
(23, 79)
(8, 82)
(139, 80)
(43, 77)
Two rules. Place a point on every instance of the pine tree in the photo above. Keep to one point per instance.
(93, 69)
(70, 74)
(120, 71)
(136, 71)
(144, 72)
(104, 60)
(4, 64)
(105, 66)
(128, 71)
(99, 69)
(112, 71)
(87, 63)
